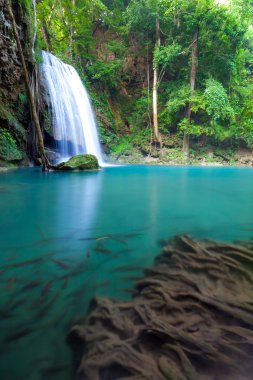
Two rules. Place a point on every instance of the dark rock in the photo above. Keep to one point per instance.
(52, 155)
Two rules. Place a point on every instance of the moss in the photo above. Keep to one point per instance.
(80, 162)
(4, 165)
(29, 13)
(11, 121)
(3, 111)
(47, 122)
(9, 151)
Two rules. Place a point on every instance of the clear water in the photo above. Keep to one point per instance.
(51, 266)
(73, 120)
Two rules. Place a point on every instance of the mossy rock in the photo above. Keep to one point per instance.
(80, 162)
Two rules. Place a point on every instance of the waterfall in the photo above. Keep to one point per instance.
(73, 120)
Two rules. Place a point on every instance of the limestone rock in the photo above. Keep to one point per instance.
(190, 318)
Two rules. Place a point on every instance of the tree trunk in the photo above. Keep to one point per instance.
(193, 72)
(155, 118)
(46, 36)
(30, 92)
(71, 32)
(155, 85)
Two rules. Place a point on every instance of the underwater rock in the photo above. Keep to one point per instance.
(80, 162)
(191, 318)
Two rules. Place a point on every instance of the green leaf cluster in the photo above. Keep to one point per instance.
(9, 150)
(217, 104)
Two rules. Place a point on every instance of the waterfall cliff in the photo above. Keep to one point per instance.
(73, 121)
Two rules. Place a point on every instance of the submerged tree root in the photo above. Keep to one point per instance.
(191, 319)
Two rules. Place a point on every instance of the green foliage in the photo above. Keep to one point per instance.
(165, 55)
(11, 118)
(126, 144)
(106, 124)
(47, 122)
(123, 146)
(177, 98)
(244, 131)
(175, 155)
(38, 56)
(65, 27)
(140, 18)
(29, 15)
(28, 8)
(9, 150)
(6, 114)
(3, 110)
(216, 101)
(194, 129)
(140, 116)
(108, 137)
(106, 72)
(22, 98)
(116, 47)
(141, 137)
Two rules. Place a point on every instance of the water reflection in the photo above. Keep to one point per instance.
(76, 205)
(49, 277)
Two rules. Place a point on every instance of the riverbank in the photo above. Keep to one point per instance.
(154, 155)
(204, 156)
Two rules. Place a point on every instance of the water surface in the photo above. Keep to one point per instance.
(66, 237)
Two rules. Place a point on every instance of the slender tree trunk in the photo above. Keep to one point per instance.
(71, 32)
(155, 117)
(30, 92)
(193, 72)
(46, 37)
(148, 105)
(155, 85)
(148, 85)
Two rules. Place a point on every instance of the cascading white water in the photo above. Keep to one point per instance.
(73, 120)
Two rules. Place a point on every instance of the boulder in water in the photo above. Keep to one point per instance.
(80, 162)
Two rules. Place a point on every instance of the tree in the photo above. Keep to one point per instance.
(155, 83)
(66, 26)
(193, 73)
(144, 20)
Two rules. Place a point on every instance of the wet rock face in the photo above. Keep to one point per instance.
(11, 77)
(14, 106)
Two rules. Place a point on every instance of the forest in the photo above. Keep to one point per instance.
(166, 73)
